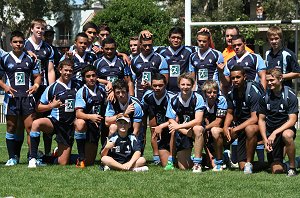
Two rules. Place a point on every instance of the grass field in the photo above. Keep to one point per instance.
(68, 181)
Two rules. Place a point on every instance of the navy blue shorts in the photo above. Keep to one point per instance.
(164, 142)
(19, 106)
(64, 132)
(93, 132)
(183, 141)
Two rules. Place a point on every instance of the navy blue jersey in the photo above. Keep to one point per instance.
(284, 58)
(18, 72)
(252, 63)
(218, 110)
(66, 94)
(79, 63)
(241, 109)
(111, 70)
(178, 62)
(205, 65)
(89, 49)
(156, 108)
(44, 53)
(91, 101)
(124, 148)
(144, 67)
(185, 110)
(276, 110)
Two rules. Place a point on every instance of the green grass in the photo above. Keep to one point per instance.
(68, 181)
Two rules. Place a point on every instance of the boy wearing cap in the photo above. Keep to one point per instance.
(122, 151)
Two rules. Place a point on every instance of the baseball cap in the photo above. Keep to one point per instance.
(49, 28)
(121, 116)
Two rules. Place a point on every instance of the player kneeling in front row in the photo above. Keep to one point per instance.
(277, 118)
(90, 109)
(185, 112)
(59, 97)
(216, 108)
(122, 151)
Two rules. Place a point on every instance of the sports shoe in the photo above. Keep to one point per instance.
(291, 172)
(197, 168)
(140, 169)
(33, 163)
(169, 166)
(11, 162)
(218, 168)
(80, 164)
(234, 165)
(248, 168)
(106, 168)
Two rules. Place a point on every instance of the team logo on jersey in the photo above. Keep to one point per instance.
(209, 60)
(26, 63)
(103, 70)
(117, 149)
(186, 118)
(45, 52)
(159, 118)
(195, 63)
(281, 108)
(268, 107)
(278, 63)
(246, 63)
(120, 68)
(182, 56)
(10, 65)
(128, 149)
(138, 66)
(153, 63)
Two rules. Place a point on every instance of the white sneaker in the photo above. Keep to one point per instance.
(197, 168)
(106, 168)
(140, 169)
(248, 168)
(218, 168)
(11, 162)
(32, 163)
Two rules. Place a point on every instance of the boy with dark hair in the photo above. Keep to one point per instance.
(19, 69)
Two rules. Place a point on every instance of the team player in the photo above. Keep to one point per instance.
(80, 56)
(145, 65)
(122, 151)
(43, 51)
(59, 97)
(253, 64)
(204, 64)
(90, 109)
(216, 108)
(155, 104)
(185, 112)
(134, 47)
(104, 32)
(241, 118)
(280, 56)
(123, 103)
(277, 118)
(111, 68)
(177, 57)
(19, 70)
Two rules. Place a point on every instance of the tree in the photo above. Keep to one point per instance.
(127, 18)
(17, 14)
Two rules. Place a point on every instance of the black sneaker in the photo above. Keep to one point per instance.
(291, 172)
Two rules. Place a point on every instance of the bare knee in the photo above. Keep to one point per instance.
(288, 136)
(79, 125)
(198, 131)
(251, 131)
(216, 132)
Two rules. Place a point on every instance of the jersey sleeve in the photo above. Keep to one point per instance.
(226, 71)
(293, 63)
(220, 58)
(138, 113)
(254, 100)
(163, 67)
(262, 106)
(292, 103)
(80, 102)
(200, 105)
(51, 56)
(221, 107)
(134, 143)
(260, 64)
(2, 72)
(171, 113)
(45, 96)
(36, 67)
(109, 110)
(191, 67)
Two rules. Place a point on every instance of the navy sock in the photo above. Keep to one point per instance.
(47, 143)
(34, 141)
(260, 153)
(80, 140)
(19, 142)
(234, 151)
(10, 144)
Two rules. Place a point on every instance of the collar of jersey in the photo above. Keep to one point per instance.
(68, 86)
(174, 53)
(93, 93)
(81, 59)
(203, 56)
(187, 103)
(35, 46)
(146, 59)
(158, 102)
(17, 59)
(111, 63)
(238, 60)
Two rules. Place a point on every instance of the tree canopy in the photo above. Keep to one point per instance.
(126, 18)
